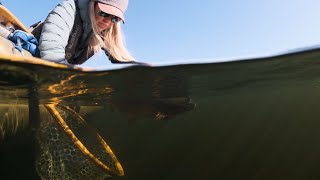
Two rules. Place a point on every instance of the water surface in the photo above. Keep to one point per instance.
(249, 119)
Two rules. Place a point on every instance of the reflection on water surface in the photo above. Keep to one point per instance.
(254, 119)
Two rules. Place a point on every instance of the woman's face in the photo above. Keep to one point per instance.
(103, 23)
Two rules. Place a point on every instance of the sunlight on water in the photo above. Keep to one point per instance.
(254, 119)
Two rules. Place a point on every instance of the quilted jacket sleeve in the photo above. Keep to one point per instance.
(56, 30)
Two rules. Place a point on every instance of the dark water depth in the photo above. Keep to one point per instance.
(251, 119)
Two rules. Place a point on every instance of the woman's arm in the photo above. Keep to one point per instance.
(56, 30)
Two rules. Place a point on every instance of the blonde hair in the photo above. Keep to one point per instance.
(111, 39)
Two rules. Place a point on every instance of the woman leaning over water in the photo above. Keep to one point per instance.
(77, 29)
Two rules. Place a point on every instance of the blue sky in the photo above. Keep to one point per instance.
(185, 30)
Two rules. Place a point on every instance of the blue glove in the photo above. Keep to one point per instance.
(26, 41)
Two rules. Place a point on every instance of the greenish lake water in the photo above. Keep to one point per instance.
(249, 119)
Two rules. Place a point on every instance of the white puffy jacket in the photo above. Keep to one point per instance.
(58, 26)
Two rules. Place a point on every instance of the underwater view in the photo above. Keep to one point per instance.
(249, 119)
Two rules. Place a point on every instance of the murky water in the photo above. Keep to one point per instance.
(254, 119)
